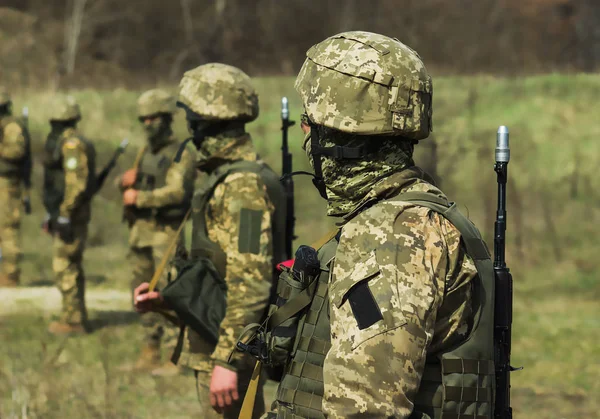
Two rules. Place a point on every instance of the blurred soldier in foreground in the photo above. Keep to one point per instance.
(394, 315)
(69, 184)
(14, 157)
(239, 225)
(157, 195)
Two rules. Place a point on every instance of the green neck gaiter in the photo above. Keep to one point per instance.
(348, 181)
(226, 147)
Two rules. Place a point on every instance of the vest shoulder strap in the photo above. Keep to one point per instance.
(476, 248)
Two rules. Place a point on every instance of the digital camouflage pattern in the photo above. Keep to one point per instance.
(217, 91)
(417, 276)
(421, 279)
(156, 101)
(12, 151)
(65, 108)
(365, 83)
(76, 206)
(248, 275)
(349, 181)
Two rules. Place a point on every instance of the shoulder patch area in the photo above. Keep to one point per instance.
(12, 129)
(71, 163)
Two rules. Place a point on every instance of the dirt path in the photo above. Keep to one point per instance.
(47, 299)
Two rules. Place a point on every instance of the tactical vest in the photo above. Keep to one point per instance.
(15, 168)
(456, 383)
(54, 174)
(152, 174)
(202, 246)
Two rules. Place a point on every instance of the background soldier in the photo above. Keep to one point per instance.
(69, 184)
(239, 220)
(399, 280)
(157, 196)
(14, 153)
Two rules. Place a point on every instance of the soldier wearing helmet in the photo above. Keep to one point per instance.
(398, 324)
(69, 184)
(239, 222)
(157, 194)
(14, 154)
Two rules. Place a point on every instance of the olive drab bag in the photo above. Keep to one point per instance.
(199, 297)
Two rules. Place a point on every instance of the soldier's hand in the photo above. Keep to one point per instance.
(223, 388)
(145, 301)
(130, 197)
(128, 179)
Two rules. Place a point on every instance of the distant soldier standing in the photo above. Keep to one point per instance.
(239, 224)
(14, 152)
(157, 195)
(69, 184)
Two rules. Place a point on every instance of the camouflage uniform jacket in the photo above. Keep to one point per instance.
(420, 277)
(248, 275)
(13, 146)
(77, 157)
(179, 183)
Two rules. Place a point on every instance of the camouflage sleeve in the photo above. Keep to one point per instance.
(388, 282)
(241, 225)
(76, 167)
(179, 184)
(12, 146)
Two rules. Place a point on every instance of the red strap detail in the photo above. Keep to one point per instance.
(287, 264)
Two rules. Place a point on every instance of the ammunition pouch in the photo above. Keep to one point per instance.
(273, 342)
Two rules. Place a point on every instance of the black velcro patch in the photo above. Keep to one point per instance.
(363, 304)
(250, 224)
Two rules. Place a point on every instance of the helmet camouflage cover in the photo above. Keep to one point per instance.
(65, 108)
(4, 96)
(366, 84)
(156, 101)
(219, 92)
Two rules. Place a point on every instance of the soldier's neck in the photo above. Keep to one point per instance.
(160, 141)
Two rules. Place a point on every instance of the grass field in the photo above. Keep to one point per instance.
(552, 238)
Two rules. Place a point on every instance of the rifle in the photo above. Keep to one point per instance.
(101, 177)
(288, 183)
(503, 304)
(27, 163)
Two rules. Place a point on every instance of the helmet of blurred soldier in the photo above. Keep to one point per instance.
(156, 102)
(366, 84)
(4, 97)
(65, 108)
(217, 91)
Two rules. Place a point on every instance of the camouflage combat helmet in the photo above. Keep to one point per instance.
(219, 92)
(4, 96)
(366, 84)
(155, 101)
(65, 108)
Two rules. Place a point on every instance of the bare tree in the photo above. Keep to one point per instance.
(73, 32)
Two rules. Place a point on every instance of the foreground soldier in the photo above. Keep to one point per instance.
(14, 152)
(399, 323)
(238, 222)
(69, 184)
(157, 195)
